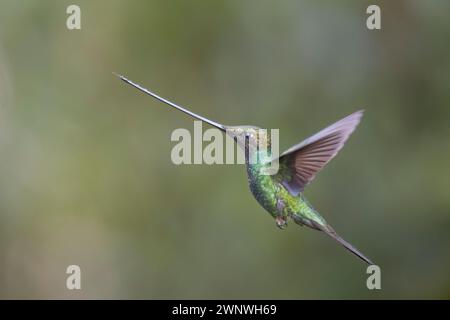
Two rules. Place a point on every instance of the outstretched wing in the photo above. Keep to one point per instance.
(300, 164)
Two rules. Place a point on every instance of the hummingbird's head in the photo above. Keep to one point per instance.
(247, 136)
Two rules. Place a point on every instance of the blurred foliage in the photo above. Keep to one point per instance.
(85, 170)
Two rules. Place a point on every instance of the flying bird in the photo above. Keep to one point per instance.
(281, 194)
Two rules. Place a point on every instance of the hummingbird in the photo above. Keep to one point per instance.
(281, 194)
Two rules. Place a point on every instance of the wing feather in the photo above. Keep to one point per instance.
(302, 162)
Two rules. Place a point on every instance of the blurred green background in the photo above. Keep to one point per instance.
(85, 170)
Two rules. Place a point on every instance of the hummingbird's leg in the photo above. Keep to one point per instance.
(281, 219)
(281, 222)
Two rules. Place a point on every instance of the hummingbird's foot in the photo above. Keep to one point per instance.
(281, 219)
(281, 222)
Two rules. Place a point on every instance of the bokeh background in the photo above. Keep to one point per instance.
(85, 170)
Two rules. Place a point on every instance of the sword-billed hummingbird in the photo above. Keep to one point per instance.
(281, 194)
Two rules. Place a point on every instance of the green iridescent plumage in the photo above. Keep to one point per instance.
(281, 193)
(274, 197)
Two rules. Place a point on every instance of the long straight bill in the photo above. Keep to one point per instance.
(194, 115)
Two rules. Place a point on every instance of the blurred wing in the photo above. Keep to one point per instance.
(300, 164)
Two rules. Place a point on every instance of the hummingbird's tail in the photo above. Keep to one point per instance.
(329, 231)
(325, 227)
